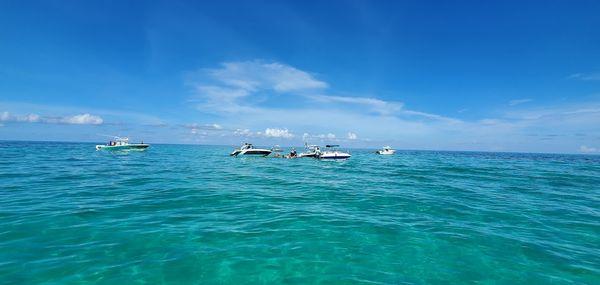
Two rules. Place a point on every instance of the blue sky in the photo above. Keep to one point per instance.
(445, 75)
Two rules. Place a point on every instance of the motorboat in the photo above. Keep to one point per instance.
(277, 150)
(331, 152)
(386, 150)
(249, 149)
(311, 151)
(122, 144)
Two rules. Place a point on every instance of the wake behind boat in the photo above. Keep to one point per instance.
(122, 144)
(248, 149)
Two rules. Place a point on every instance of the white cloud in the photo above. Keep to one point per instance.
(516, 102)
(29, 118)
(586, 149)
(352, 136)
(82, 119)
(278, 133)
(268, 133)
(585, 76)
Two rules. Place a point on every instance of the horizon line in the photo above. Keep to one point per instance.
(423, 150)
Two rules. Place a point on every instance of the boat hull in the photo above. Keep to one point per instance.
(313, 155)
(335, 156)
(123, 147)
(252, 152)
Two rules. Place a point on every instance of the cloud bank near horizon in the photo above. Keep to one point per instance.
(81, 119)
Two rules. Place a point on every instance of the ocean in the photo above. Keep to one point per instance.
(190, 214)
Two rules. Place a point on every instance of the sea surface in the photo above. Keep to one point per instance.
(189, 214)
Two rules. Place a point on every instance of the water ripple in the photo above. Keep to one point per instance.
(192, 214)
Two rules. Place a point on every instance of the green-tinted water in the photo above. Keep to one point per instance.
(194, 215)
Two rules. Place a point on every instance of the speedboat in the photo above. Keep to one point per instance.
(386, 150)
(122, 144)
(331, 152)
(311, 151)
(248, 149)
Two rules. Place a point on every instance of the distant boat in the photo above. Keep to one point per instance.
(122, 144)
(386, 150)
(248, 149)
(331, 152)
(311, 151)
(276, 148)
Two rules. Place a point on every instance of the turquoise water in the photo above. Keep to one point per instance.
(193, 215)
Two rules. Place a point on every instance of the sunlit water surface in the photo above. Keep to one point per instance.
(191, 214)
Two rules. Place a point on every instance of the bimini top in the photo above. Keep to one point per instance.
(332, 145)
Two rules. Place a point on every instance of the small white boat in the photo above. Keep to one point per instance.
(248, 149)
(386, 150)
(276, 148)
(311, 151)
(331, 152)
(122, 144)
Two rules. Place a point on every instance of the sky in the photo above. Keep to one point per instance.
(520, 76)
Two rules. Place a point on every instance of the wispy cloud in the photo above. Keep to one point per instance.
(585, 76)
(202, 129)
(203, 126)
(226, 89)
(258, 74)
(81, 119)
(516, 102)
(237, 87)
(372, 104)
(241, 95)
(586, 149)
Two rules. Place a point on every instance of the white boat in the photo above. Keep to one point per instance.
(386, 150)
(331, 152)
(248, 149)
(311, 151)
(276, 148)
(122, 144)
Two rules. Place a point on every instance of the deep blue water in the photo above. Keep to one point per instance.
(183, 214)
